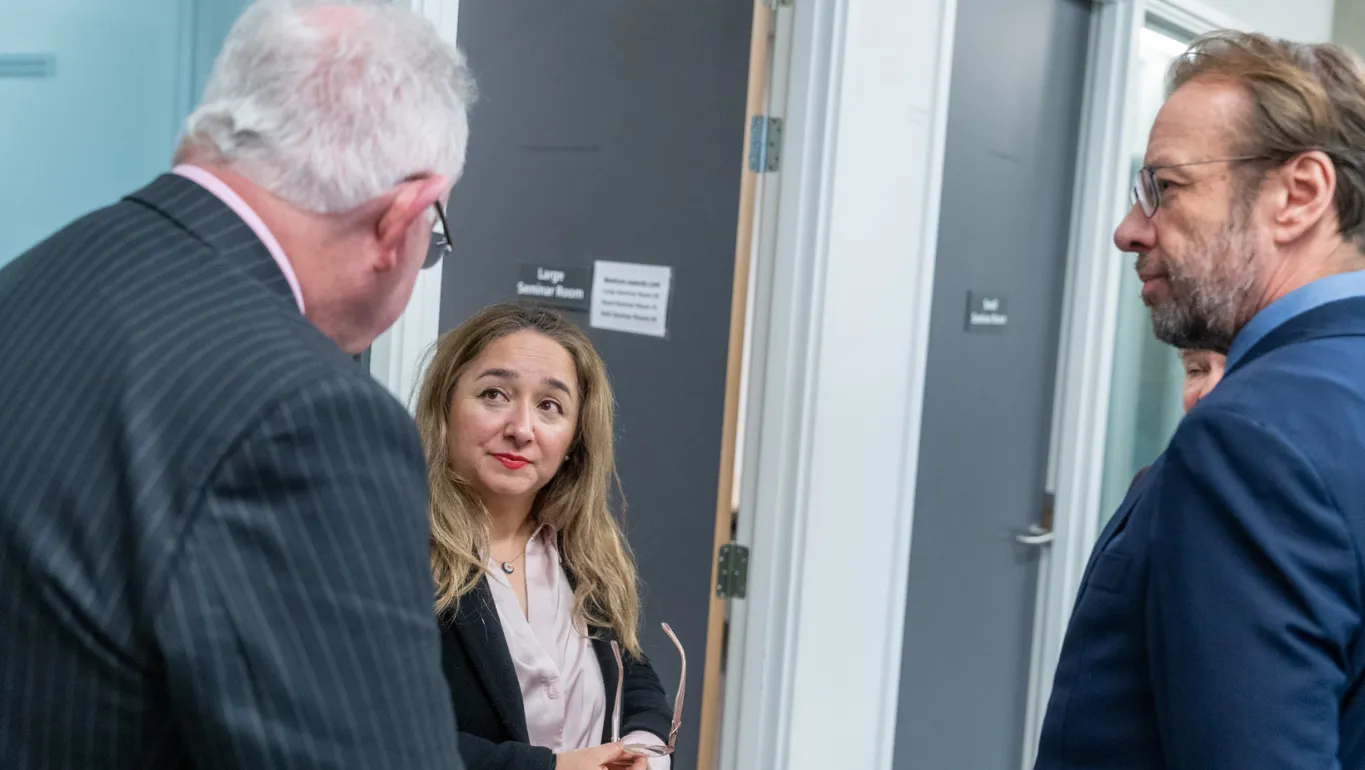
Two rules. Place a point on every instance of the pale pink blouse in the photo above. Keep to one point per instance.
(561, 681)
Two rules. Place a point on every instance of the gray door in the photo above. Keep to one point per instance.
(613, 130)
(1013, 130)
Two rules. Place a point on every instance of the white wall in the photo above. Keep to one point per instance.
(1304, 20)
(864, 218)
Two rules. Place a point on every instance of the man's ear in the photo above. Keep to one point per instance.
(410, 201)
(1307, 195)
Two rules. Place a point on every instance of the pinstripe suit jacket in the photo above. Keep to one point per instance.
(213, 535)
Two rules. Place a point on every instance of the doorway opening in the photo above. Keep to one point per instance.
(620, 134)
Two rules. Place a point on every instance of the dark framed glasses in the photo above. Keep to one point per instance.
(1146, 191)
(440, 246)
(648, 749)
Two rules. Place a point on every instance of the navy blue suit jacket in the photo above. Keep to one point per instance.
(1218, 624)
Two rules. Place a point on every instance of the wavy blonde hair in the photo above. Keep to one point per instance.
(576, 502)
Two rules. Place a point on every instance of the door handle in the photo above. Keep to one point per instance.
(1036, 537)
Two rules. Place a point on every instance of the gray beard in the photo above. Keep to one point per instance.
(1205, 313)
(1205, 318)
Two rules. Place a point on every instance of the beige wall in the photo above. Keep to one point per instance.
(1349, 25)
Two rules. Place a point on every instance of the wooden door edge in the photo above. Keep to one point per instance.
(712, 694)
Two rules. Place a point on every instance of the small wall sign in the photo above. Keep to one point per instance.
(986, 312)
(631, 298)
(557, 285)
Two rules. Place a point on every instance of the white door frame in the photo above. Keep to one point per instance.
(398, 357)
(1086, 354)
(743, 684)
(843, 284)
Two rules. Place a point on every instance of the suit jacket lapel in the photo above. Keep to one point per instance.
(1119, 521)
(216, 225)
(1120, 518)
(477, 623)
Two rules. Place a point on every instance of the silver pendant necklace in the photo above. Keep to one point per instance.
(507, 565)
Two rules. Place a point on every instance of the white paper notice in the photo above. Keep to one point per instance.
(631, 298)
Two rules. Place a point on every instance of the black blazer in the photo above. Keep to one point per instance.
(487, 697)
(213, 528)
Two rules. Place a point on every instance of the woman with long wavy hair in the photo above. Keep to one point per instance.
(535, 581)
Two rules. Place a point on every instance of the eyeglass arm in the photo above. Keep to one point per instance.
(677, 700)
(620, 681)
(682, 685)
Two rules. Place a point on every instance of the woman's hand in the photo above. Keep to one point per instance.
(631, 763)
(608, 756)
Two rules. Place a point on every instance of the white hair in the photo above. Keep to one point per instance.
(330, 103)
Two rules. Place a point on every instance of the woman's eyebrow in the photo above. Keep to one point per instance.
(497, 373)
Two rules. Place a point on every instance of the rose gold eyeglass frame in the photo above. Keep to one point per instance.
(649, 749)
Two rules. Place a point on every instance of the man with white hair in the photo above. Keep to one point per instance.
(213, 528)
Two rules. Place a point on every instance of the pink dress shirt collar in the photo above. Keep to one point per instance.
(220, 190)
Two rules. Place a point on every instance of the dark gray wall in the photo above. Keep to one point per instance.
(614, 130)
(1015, 101)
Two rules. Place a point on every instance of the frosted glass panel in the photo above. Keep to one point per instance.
(100, 116)
(1144, 402)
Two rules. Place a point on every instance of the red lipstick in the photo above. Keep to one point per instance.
(512, 462)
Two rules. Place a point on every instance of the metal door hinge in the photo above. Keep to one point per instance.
(732, 571)
(765, 144)
(775, 4)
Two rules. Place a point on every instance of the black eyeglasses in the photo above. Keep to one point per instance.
(440, 239)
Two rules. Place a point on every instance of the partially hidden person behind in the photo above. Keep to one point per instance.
(535, 580)
(213, 534)
(1202, 371)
